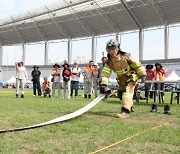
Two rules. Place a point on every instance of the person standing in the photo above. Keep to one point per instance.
(88, 79)
(159, 75)
(150, 76)
(128, 71)
(75, 75)
(95, 78)
(21, 78)
(103, 60)
(35, 78)
(56, 80)
(66, 79)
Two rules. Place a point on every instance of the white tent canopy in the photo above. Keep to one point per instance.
(11, 80)
(172, 77)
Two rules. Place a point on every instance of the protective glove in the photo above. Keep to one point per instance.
(105, 90)
(102, 89)
(143, 79)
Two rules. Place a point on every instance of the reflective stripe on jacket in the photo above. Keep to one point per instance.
(126, 67)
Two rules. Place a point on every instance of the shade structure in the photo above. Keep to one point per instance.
(68, 19)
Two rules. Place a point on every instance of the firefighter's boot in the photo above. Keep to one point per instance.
(124, 113)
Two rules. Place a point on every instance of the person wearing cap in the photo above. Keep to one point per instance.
(159, 75)
(66, 73)
(21, 78)
(95, 78)
(75, 75)
(56, 80)
(88, 79)
(150, 76)
(35, 79)
(128, 71)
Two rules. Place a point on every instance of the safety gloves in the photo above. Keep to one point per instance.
(105, 90)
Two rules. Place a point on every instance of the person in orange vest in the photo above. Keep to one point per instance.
(128, 71)
(159, 75)
(88, 79)
(56, 80)
(46, 87)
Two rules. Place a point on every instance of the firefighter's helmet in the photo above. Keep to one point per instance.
(112, 43)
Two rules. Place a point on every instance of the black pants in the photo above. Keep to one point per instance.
(74, 85)
(36, 85)
(147, 88)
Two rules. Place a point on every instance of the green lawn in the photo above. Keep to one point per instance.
(90, 132)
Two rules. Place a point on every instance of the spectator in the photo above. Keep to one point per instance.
(36, 82)
(88, 79)
(103, 60)
(66, 79)
(159, 75)
(75, 79)
(95, 78)
(150, 76)
(46, 87)
(21, 78)
(56, 80)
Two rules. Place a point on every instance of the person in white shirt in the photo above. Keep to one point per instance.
(88, 79)
(75, 75)
(21, 78)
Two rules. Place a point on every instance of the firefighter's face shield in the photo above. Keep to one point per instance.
(113, 51)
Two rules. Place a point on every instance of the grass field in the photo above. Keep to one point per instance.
(88, 133)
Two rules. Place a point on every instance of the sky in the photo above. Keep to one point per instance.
(153, 41)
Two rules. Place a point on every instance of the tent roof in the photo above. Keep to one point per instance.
(11, 80)
(67, 19)
(172, 77)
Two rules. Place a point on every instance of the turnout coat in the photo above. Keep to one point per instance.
(126, 67)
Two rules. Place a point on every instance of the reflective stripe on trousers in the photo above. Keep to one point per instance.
(127, 97)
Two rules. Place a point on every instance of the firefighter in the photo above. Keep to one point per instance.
(128, 71)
